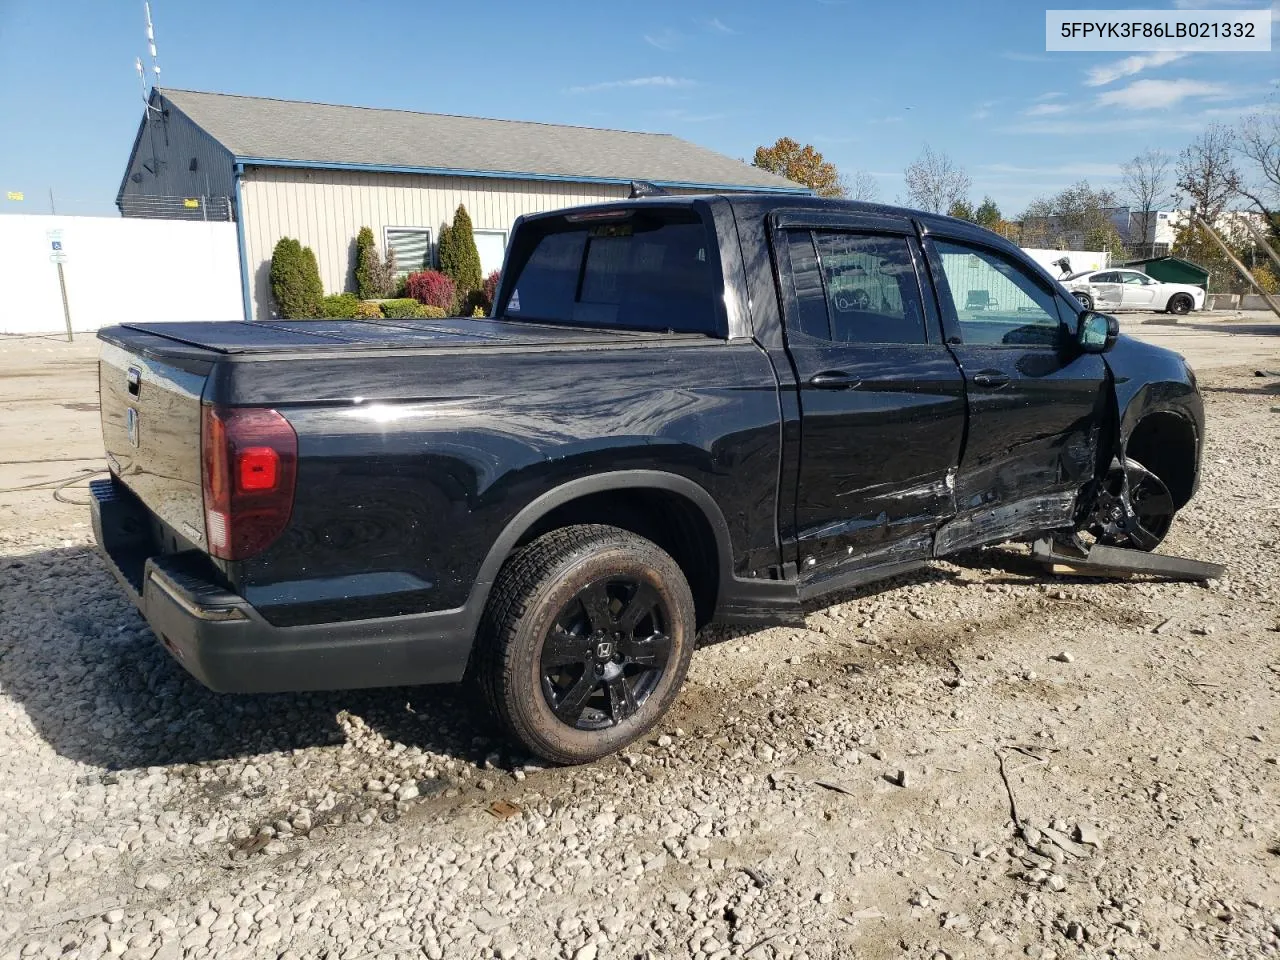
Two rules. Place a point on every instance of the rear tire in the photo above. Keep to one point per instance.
(586, 641)
(1180, 304)
(1086, 301)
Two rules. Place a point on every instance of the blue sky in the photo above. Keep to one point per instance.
(867, 83)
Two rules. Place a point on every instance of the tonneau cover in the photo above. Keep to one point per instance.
(292, 336)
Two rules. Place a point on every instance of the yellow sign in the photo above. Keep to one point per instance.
(191, 203)
(16, 195)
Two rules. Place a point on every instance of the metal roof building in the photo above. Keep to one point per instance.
(319, 172)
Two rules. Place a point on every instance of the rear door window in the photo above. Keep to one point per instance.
(653, 270)
(855, 287)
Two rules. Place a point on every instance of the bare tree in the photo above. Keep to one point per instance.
(861, 185)
(1207, 174)
(1146, 183)
(935, 181)
(1260, 145)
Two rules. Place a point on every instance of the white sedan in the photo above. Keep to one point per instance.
(1106, 290)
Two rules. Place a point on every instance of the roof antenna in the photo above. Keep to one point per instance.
(151, 44)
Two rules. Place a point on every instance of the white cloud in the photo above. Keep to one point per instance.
(1160, 94)
(1105, 73)
(1045, 109)
(718, 25)
(666, 40)
(633, 82)
(1054, 95)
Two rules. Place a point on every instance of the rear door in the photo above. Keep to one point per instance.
(881, 397)
(1036, 402)
(1107, 290)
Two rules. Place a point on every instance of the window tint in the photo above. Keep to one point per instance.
(1105, 278)
(651, 271)
(855, 288)
(1135, 278)
(997, 302)
(811, 301)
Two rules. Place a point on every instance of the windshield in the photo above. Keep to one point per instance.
(646, 270)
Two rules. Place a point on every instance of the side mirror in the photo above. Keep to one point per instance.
(1096, 332)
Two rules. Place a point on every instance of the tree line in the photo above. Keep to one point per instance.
(1226, 168)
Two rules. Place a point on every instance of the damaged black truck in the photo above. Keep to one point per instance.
(682, 410)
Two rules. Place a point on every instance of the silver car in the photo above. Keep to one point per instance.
(1107, 290)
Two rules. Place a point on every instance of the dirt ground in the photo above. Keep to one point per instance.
(855, 787)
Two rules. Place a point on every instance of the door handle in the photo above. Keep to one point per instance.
(833, 380)
(990, 378)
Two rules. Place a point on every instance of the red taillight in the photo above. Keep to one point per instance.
(250, 459)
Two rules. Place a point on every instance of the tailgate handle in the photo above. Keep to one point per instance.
(135, 381)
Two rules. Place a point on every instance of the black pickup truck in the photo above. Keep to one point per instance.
(682, 410)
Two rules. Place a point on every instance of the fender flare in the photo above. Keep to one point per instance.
(534, 511)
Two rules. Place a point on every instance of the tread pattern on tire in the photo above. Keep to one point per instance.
(522, 575)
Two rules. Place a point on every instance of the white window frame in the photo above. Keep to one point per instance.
(431, 245)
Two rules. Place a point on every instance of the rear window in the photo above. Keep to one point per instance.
(651, 271)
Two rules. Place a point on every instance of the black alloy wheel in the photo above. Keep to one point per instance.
(1180, 304)
(585, 641)
(1150, 503)
(605, 653)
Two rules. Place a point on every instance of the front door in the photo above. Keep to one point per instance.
(1139, 290)
(881, 397)
(1036, 403)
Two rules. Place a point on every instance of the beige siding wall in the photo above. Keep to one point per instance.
(324, 209)
(174, 141)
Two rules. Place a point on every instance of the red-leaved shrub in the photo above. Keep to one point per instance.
(432, 288)
(490, 290)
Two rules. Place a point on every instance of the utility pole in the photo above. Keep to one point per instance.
(52, 208)
(1204, 225)
(1260, 240)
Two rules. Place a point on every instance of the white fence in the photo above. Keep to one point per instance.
(116, 270)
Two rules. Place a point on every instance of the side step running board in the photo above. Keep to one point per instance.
(1104, 561)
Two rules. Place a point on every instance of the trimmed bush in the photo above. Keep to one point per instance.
(373, 278)
(478, 312)
(340, 306)
(489, 292)
(432, 288)
(369, 310)
(403, 309)
(434, 313)
(295, 280)
(460, 260)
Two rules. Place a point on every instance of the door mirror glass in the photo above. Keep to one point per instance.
(1097, 332)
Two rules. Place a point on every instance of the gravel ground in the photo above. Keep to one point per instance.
(819, 792)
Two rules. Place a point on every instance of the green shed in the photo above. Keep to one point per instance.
(1172, 270)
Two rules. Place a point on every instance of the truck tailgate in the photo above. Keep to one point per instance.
(151, 429)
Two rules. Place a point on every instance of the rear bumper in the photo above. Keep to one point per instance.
(222, 641)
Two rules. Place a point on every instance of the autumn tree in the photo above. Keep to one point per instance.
(1146, 182)
(801, 164)
(935, 181)
(1207, 174)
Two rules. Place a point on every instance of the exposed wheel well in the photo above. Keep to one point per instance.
(672, 521)
(1165, 444)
